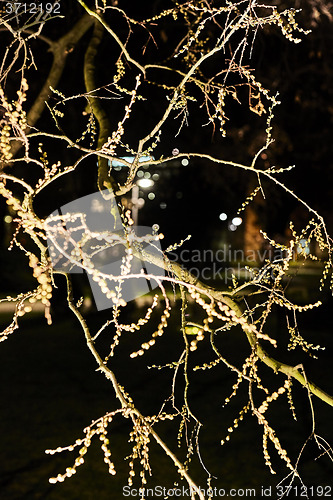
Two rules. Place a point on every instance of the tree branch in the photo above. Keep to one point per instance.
(131, 409)
(233, 27)
(60, 50)
(104, 180)
(98, 18)
(187, 278)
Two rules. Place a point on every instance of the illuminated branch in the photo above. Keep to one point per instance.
(132, 411)
(60, 50)
(186, 278)
(95, 15)
(232, 28)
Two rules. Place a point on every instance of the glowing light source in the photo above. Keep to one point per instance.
(232, 227)
(223, 216)
(237, 221)
(145, 183)
(185, 162)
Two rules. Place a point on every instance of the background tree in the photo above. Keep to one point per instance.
(151, 86)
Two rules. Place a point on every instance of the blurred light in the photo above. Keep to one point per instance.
(155, 177)
(185, 162)
(97, 206)
(130, 159)
(145, 183)
(140, 202)
(303, 247)
(232, 227)
(179, 195)
(8, 219)
(140, 173)
(223, 216)
(237, 221)
(147, 175)
(163, 205)
(151, 196)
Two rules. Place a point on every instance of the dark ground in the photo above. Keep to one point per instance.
(50, 391)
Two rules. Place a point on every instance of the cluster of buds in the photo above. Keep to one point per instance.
(158, 333)
(99, 427)
(236, 422)
(14, 117)
(5, 143)
(44, 292)
(140, 437)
